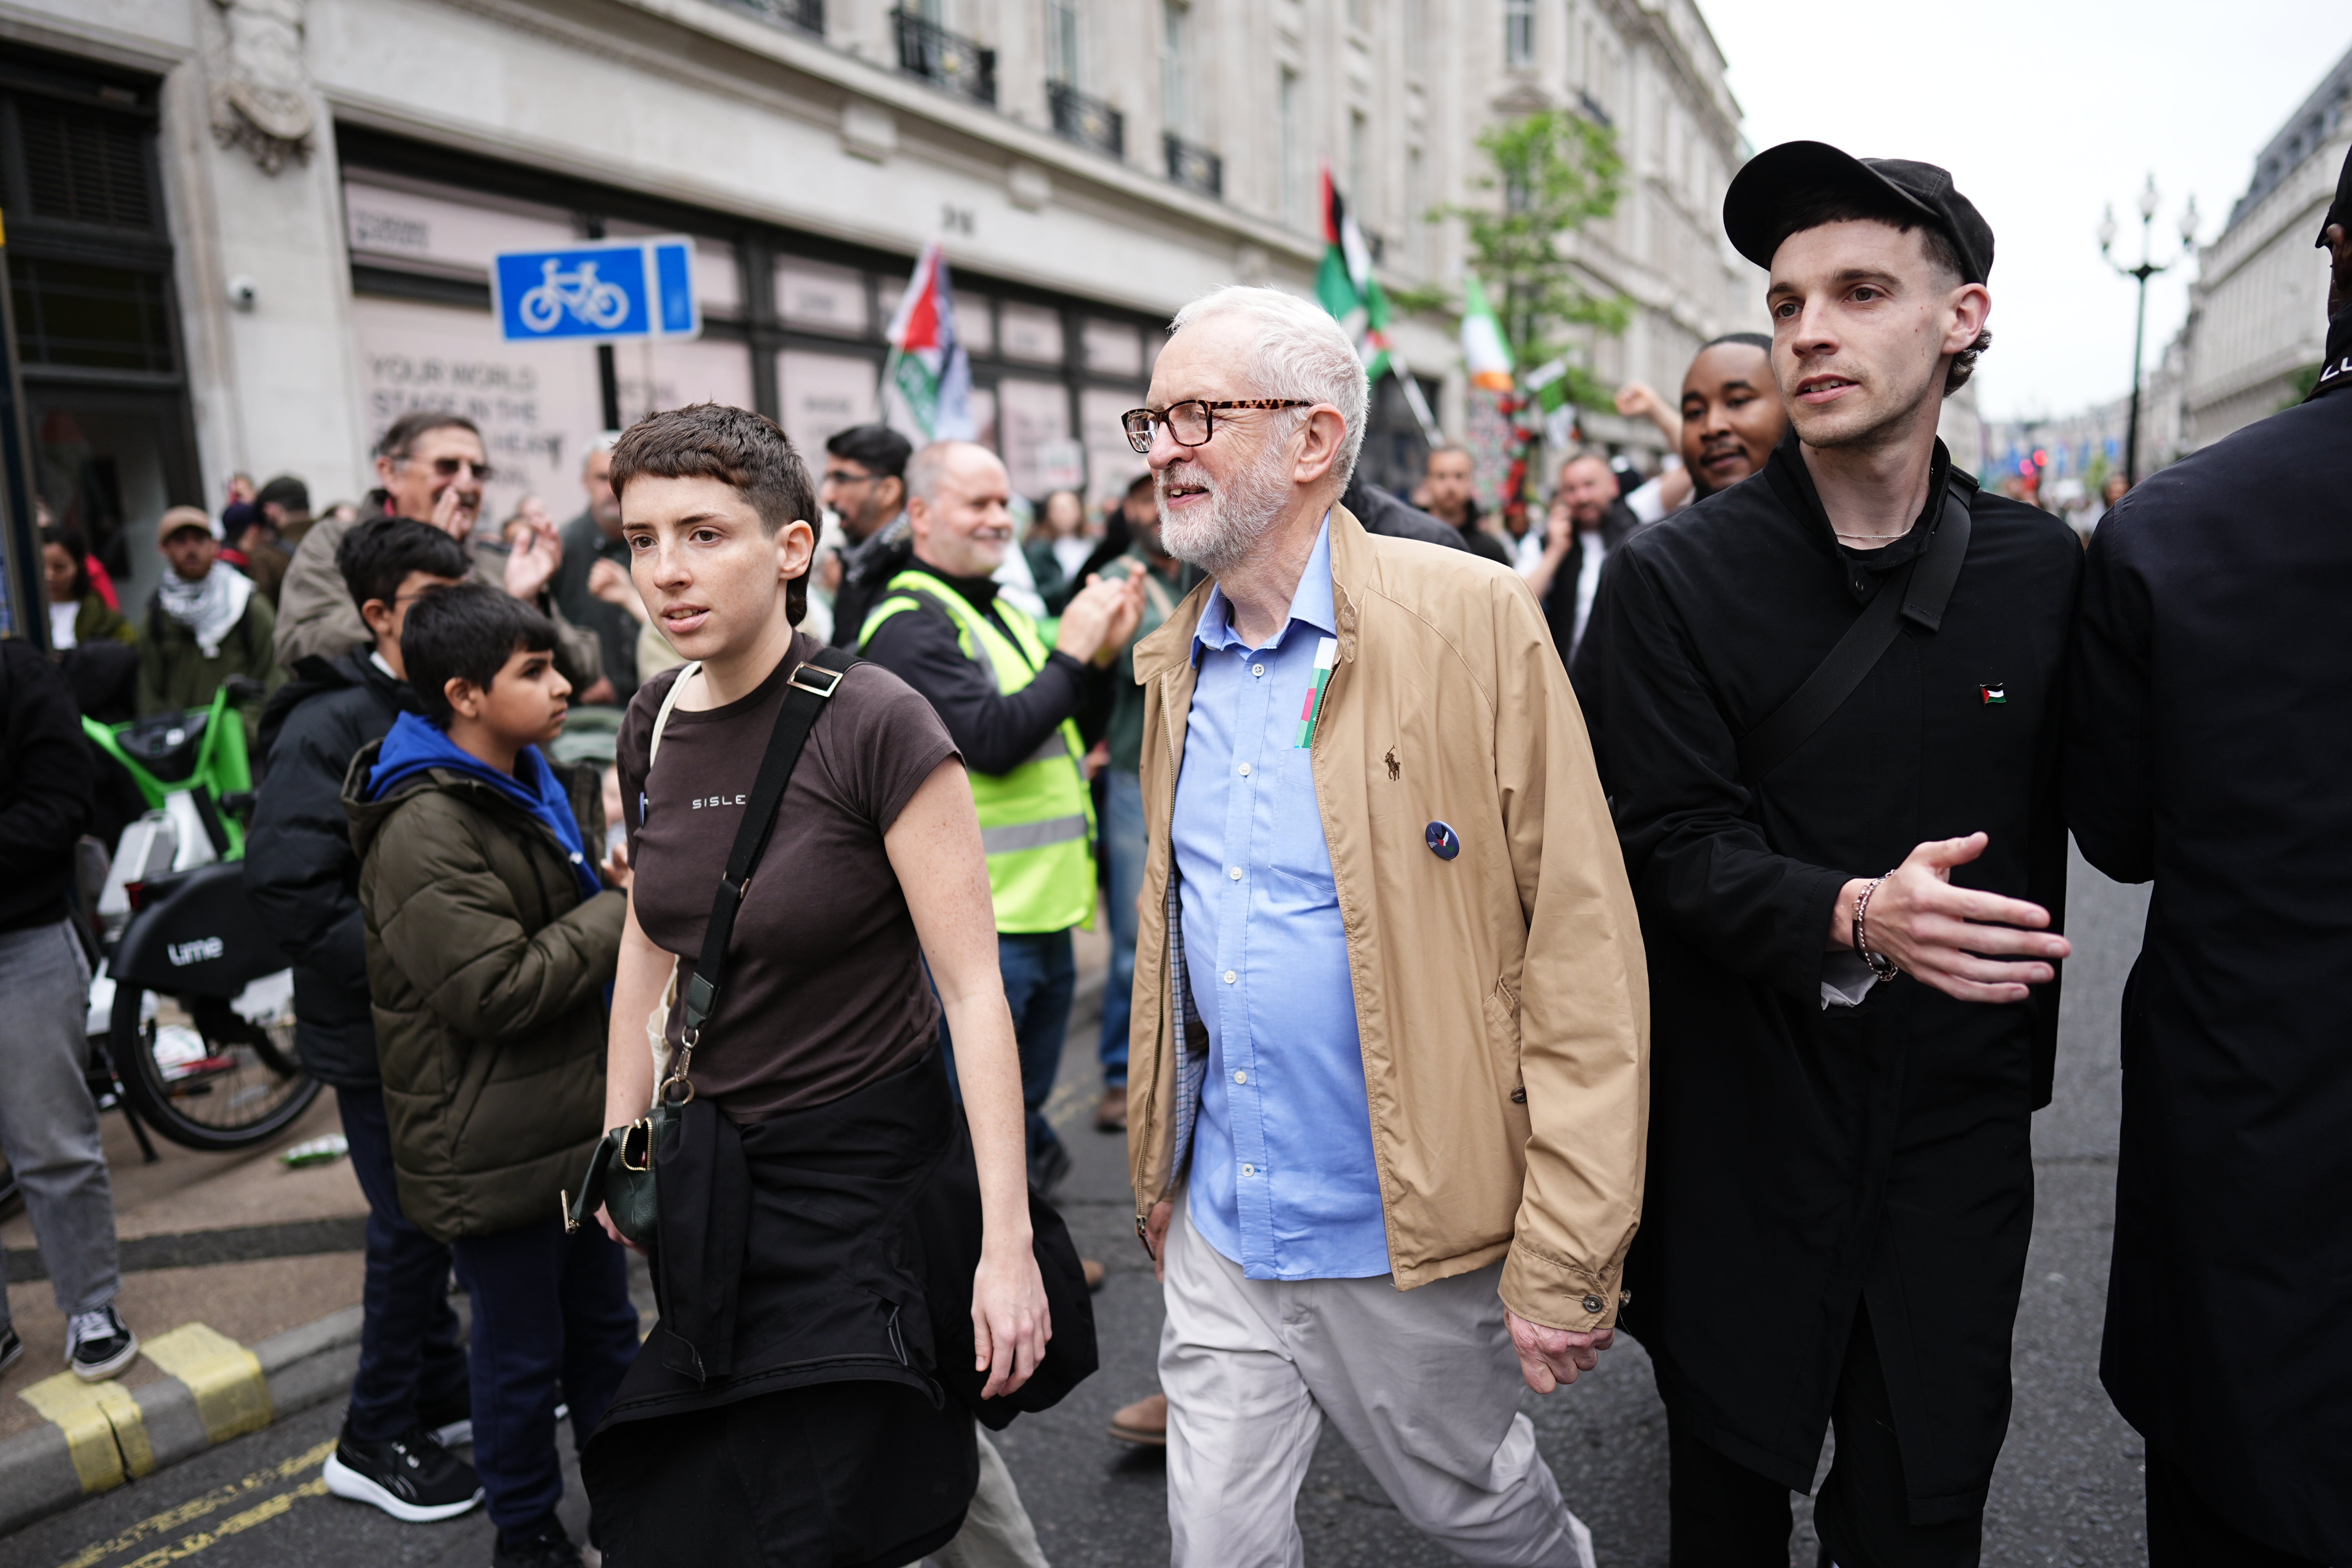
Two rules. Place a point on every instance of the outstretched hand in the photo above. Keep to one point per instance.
(1550, 1357)
(538, 551)
(1970, 944)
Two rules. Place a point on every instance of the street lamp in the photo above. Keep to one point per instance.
(2147, 268)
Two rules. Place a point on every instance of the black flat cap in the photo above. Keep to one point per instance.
(1776, 181)
(2340, 209)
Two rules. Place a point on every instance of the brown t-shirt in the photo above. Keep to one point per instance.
(825, 991)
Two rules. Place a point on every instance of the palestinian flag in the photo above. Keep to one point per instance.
(927, 380)
(1345, 286)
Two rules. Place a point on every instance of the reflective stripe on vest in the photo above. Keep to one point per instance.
(1036, 821)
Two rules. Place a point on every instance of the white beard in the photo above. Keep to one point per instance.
(1241, 512)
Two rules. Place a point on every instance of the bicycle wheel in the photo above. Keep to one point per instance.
(204, 1076)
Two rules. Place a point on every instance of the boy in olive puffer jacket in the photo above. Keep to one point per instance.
(490, 942)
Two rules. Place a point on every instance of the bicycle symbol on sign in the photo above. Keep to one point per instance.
(585, 296)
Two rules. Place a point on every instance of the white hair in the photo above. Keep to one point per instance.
(1299, 352)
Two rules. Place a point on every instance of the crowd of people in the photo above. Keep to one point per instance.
(1498, 954)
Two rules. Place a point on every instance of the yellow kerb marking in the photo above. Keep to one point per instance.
(232, 1396)
(195, 1507)
(104, 1431)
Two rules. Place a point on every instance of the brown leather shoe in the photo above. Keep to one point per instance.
(1110, 1113)
(1144, 1423)
(1094, 1271)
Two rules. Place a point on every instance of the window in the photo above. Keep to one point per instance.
(1287, 146)
(1176, 66)
(1416, 214)
(1360, 166)
(1416, 33)
(1360, 14)
(1519, 33)
(1062, 57)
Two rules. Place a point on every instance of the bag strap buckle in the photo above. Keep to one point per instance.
(832, 679)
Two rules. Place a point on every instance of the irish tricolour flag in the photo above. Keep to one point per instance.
(927, 381)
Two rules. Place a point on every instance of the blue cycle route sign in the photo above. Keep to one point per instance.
(598, 291)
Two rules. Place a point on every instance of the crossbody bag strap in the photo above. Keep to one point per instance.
(812, 683)
(1919, 595)
(669, 700)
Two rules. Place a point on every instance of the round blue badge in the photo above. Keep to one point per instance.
(1443, 841)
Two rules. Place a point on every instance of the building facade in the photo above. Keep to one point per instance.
(244, 234)
(2258, 314)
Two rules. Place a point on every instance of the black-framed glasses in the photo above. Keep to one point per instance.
(448, 467)
(1191, 422)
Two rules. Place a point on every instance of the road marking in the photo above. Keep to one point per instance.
(105, 1433)
(235, 1523)
(195, 1507)
(232, 1396)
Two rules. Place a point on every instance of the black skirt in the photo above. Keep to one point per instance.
(835, 1475)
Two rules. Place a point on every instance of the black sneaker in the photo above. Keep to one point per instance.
(11, 1348)
(451, 1421)
(546, 1547)
(98, 1345)
(411, 1478)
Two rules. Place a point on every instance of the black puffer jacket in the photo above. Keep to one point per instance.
(300, 871)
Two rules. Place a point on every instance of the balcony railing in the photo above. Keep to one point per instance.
(1088, 121)
(1193, 166)
(808, 15)
(947, 60)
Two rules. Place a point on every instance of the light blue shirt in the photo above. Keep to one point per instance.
(1283, 1180)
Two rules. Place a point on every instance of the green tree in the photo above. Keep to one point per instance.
(1554, 171)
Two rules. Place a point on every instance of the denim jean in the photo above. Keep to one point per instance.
(48, 1123)
(1041, 974)
(1123, 850)
(409, 1355)
(552, 1313)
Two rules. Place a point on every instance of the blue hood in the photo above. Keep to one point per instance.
(414, 746)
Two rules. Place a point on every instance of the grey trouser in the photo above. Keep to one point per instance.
(1422, 1384)
(49, 1124)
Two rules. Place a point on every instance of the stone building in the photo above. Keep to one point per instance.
(2258, 312)
(243, 235)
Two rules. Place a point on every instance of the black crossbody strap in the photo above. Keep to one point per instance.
(812, 683)
(1919, 595)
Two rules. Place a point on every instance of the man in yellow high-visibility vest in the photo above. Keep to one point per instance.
(1010, 699)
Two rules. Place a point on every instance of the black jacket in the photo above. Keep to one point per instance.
(300, 871)
(995, 731)
(584, 544)
(46, 779)
(1802, 1160)
(2208, 746)
(865, 567)
(1381, 512)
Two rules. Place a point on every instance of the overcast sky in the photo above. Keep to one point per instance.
(2045, 111)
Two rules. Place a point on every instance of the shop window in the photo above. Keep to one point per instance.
(1034, 434)
(1032, 333)
(1112, 348)
(820, 395)
(817, 298)
(675, 373)
(455, 233)
(1111, 462)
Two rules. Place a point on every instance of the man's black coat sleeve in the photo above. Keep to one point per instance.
(1691, 846)
(2110, 745)
(47, 774)
(995, 731)
(300, 868)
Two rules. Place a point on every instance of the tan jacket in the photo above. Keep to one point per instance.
(1501, 997)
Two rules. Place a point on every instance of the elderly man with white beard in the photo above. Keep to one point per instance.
(1388, 1085)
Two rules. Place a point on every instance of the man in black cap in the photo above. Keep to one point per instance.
(1846, 664)
(2208, 738)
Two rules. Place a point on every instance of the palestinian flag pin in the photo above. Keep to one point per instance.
(1994, 691)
